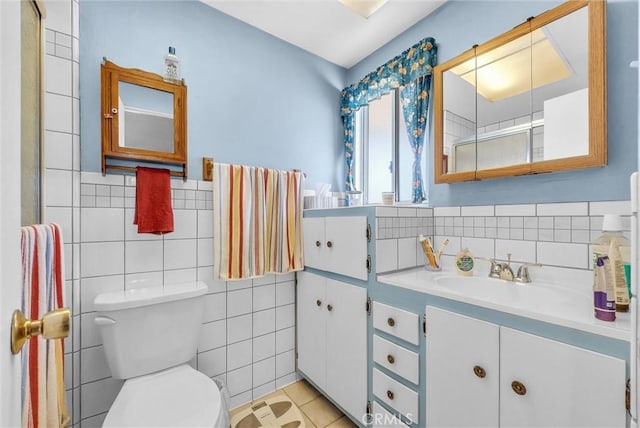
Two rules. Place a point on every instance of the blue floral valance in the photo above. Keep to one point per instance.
(415, 62)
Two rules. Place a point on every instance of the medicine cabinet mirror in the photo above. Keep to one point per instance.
(144, 118)
(529, 101)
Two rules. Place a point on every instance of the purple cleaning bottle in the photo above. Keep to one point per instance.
(604, 298)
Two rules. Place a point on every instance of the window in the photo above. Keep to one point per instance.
(380, 143)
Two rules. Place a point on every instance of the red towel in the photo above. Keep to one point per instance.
(153, 212)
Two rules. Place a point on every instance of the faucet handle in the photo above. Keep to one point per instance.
(523, 272)
(494, 270)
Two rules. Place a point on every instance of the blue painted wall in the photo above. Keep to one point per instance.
(252, 98)
(457, 25)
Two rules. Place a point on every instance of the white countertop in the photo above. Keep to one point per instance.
(540, 301)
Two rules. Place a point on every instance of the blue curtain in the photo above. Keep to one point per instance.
(414, 99)
(417, 61)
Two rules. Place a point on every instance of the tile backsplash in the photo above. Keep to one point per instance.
(554, 234)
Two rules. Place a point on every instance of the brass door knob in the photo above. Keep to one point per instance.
(390, 395)
(329, 244)
(391, 322)
(329, 308)
(53, 325)
(479, 371)
(518, 387)
(318, 243)
(318, 302)
(391, 359)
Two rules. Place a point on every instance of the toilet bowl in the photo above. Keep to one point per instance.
(149, 336)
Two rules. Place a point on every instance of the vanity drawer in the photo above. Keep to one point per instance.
(395, 321)
(396, 395)
(396, 358)
(380, 417)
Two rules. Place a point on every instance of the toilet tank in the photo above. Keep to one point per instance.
(146, 330)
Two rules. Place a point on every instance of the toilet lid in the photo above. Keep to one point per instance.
(177, 397)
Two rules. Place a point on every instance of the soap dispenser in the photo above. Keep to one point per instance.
(464, 262)
(171, 66)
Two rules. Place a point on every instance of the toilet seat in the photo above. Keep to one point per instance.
(176, 397)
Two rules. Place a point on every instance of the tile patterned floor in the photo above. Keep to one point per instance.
(318, 412)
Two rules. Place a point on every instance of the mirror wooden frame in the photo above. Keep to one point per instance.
(597, 155)
(111, 76)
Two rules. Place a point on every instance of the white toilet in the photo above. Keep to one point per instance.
(149, 336)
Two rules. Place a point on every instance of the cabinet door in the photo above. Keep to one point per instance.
(346, 246)
(314, 243)
(458, 349)
(565, 386)
(311, 317)
(346, 353)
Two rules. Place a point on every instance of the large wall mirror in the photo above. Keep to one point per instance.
(144, 118)
(532, 100)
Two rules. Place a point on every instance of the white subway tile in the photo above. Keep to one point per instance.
(205, 252)
(239, 328)
(286, 380)
(131, 230)
(239, 284)
(180, 253)
(285, 340)
(205, 185)
(102, 258)
(58, 150)
(264, 297)
(610, 207)
(58, 113)
(563, 209)
(285, 316)
(180, 275)
(240, 399)
(205, 224)
(446, 211)
(213, 335)
(406, 212)
(452, 248)
(386, 212)
(239, 380)
(101, 224)
(97, 178)
(185, 225)
(239, 302)
(284, 277)
(57, 75)
(264, 322)
(285, 293)
(215, 307)
(424, 212)
(239, 354)
(269, 278)
(386, 255)
(143, 280)
(214, 362)
(178, 183)
(476, 211)
(516, 210)
(57, 187)
(563, 254)
(59, 16)
(265, 389)
(91, 287)
(407, 255)
(521, 251)
(94, 365)
(479, 247)
(63, 217)
(143, 256)
(264, 372)
(285, 363)
(264, 346)
(89, 334)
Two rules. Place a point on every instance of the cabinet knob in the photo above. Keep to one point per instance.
(391, 359)
(391, 322)
(390, 395)
(318, 243)
(479, 371)
(329, 244)
(318, 302)
(518, 387)
(329, 308)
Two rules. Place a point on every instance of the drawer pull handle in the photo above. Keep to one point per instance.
(329, 308)
(318, 302)
(518, 387)
(329, 244)
(391, 322)
(479, 371)
(318, 243)
(390, 395)
(391, 359)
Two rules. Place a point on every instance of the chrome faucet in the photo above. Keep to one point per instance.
(503, 270)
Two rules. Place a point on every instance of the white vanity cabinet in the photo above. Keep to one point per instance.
(336, 244)
(332, 339)
(483, 374)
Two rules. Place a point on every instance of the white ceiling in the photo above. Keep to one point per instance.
(328, 28)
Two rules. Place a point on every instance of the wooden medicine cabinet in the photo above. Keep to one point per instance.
(529, 101)
(144, 118)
